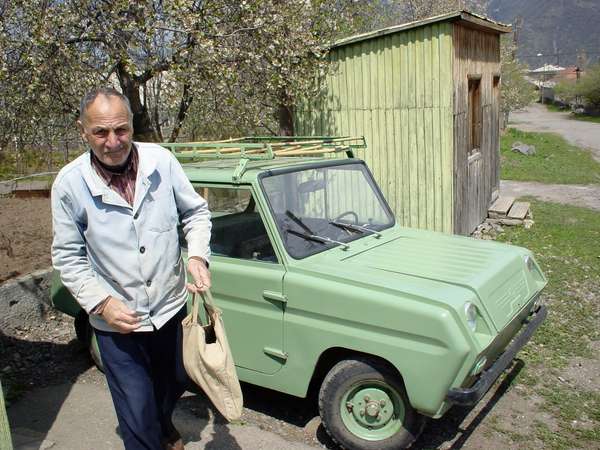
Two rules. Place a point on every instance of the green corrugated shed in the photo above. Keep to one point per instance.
(397, 88)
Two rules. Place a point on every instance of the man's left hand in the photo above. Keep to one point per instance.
(200, 273)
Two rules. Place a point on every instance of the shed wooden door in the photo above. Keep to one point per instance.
(476, 179)
(475, 196)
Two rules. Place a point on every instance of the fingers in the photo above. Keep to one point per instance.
(124, 328)
(125, 323)
(200, 275)
(196, 288)
(119, 316)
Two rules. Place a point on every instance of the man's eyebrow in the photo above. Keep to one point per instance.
(104, 127)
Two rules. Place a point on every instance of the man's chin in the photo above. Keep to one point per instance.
(114, 158)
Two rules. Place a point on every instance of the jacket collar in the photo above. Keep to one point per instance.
(97, 187)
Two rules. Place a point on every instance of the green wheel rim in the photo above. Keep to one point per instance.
(372, 410)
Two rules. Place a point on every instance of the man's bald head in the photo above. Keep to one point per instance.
(92, 95)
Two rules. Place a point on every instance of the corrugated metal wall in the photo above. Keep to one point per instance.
(396, 90)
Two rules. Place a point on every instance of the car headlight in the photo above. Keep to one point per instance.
(529, 262)
(471, 315)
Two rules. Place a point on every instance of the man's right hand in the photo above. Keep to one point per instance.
(119, 316)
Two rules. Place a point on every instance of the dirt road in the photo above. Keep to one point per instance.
(78, 415)
(585, 196)
(537, 118)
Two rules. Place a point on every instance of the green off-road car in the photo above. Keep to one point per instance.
(322, 290)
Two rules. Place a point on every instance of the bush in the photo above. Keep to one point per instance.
(586, 89)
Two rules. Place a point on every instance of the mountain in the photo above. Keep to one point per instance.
(558, 29)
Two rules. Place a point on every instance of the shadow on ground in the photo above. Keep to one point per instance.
(28, 365)
(455, 427)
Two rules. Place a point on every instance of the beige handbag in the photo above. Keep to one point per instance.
(208, 361)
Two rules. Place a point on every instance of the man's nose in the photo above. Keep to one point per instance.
(112, 140)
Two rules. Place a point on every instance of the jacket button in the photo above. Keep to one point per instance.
(148, 283)
(142, 249)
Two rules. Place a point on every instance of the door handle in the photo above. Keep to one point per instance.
(277, 296)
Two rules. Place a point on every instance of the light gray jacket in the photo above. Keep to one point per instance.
(102, 246)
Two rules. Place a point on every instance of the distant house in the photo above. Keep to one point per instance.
(545, 78)
(569, 74)
(426, 97)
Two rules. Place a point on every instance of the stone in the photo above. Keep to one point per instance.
(523, 148)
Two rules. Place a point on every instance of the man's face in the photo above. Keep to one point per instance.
(107, 128)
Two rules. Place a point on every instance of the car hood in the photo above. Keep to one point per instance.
(497, 273)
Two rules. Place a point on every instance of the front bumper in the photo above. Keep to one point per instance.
(470, 396)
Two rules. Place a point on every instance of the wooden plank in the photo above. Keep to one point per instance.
(519, 210)
(502, 206)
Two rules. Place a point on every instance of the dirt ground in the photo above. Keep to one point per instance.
(585, 196)
(25, 236)
(44, 363)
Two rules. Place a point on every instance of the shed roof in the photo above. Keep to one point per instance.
(471, 19)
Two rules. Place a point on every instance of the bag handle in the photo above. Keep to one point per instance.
(206, 299)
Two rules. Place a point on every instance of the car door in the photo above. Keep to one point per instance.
(247, 278)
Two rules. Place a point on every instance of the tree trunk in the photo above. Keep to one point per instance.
(143, 130)
(184, 105)
(286, 120)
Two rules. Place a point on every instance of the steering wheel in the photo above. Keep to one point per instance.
(347, 213)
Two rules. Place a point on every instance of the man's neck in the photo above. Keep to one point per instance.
(119, 168)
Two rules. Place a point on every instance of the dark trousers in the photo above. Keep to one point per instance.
(146, 377)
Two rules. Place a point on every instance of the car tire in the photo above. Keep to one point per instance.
(82, 326)
(85, 333)
(364, 406)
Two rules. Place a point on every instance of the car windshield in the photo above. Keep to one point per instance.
(319, 208)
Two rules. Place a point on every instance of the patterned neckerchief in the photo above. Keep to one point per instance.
(122, 183)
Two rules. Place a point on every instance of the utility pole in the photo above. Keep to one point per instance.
(517, 29)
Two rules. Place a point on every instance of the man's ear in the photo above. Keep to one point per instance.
(81, 130)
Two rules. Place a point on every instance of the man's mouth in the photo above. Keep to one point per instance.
(119, 150)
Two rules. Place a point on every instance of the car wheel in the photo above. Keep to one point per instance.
(364, 406)
(82, 326)
(85, 333)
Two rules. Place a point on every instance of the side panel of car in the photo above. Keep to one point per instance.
(61, 298)
(246, 292)
(414, 336)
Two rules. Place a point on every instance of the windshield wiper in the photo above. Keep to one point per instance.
(320, 239)
(352, 227)
(298, 222)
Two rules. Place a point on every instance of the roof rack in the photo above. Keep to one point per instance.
(264, 148)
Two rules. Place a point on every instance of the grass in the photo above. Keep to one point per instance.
(586, 118)
(552, 107)
(32, 162)
(556, 161)
(566, 243)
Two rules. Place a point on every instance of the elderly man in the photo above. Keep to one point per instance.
(115, 212)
